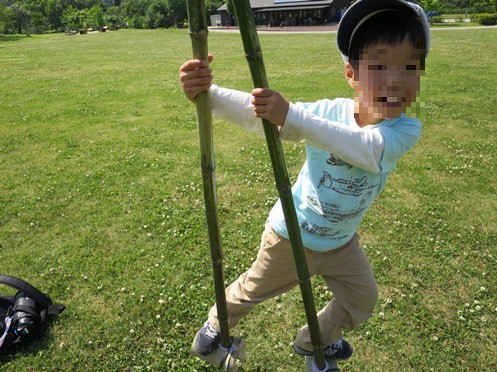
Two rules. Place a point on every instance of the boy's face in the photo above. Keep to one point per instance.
(386, 82)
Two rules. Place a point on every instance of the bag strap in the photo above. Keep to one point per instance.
(27, 288)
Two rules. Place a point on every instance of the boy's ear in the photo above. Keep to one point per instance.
(349, 74)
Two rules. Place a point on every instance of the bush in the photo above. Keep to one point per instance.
(435, 19)
(487, 19)
(474, 17)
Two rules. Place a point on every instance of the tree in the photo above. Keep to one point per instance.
(19, 18)
(134, 12)
(96, 18)
(53, 12)
(3, 17)
(38, 23)
(74, 19)
(114, 16)
(157, 14)
(177, 9)
(431, 5)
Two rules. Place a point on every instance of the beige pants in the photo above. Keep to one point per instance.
(346, 271)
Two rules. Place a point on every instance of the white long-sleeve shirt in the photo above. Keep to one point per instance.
(345, 169)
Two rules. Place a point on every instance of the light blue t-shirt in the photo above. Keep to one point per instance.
(331, 196)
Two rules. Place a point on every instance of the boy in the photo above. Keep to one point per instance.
(351, 147)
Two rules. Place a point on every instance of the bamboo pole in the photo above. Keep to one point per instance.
(253, 53)
(198, 35)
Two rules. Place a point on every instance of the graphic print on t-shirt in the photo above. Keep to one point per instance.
(333, 213)
(337, 162)
(352, 186)
(355, 188)
(318, 230)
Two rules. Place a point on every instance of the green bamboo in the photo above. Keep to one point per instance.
(253, 53)
(198, 35)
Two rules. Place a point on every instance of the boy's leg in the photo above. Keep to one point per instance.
(272, 274)
(348, 274)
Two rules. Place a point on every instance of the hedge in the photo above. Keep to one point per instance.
(487, 19)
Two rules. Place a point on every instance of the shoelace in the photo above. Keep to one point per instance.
(337, 345)
(333, 348)
(211, 332)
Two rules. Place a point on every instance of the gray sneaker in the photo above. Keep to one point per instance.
(207, 339)
(310, 365)
(339, 350)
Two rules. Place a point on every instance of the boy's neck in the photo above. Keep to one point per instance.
(364, 118)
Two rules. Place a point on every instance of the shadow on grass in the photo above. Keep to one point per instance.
(32, 347)
(16, 351)
(14, 37)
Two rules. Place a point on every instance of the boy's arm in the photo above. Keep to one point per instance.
(375, 149)
(196, 76)
(235, 107)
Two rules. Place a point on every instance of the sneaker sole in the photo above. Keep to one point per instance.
(308, 353)
(226, 360)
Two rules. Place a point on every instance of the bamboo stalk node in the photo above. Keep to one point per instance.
(253, 56)
(218, 261)
(201, 35)
(207, 169)
(301, 281)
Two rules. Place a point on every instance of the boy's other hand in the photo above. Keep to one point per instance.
(270, 105)
(195, 77)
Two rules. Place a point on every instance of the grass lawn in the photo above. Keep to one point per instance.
(454, 24)
(101, 203)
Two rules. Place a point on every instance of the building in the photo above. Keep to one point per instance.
(271, 13)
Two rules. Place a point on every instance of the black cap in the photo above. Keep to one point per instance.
(362, 10)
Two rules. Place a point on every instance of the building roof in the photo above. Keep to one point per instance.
(284, 4)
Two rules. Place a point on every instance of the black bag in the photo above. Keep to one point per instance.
(24, 317)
